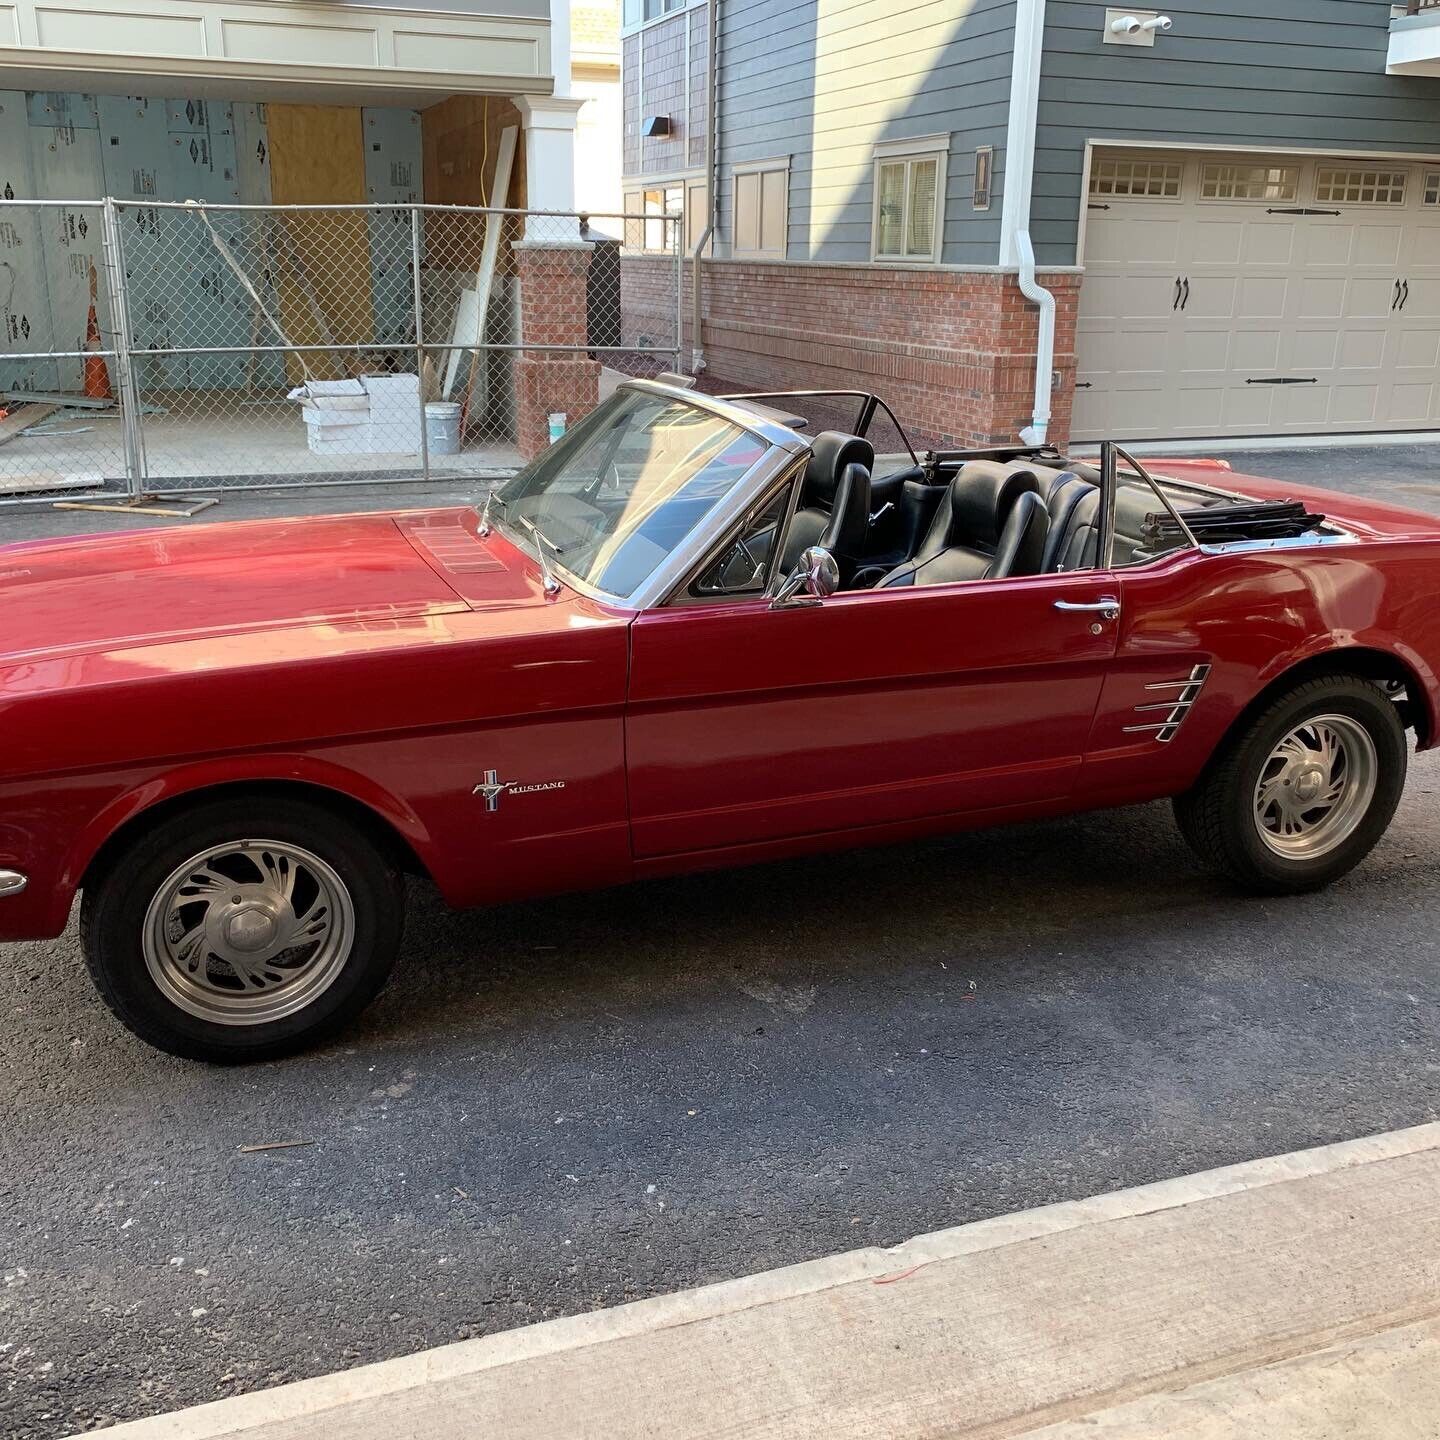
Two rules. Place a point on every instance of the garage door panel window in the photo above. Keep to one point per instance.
(1432, 189)
(1356, 185)
(909, 193)
(1121, 176)
(1249, 182)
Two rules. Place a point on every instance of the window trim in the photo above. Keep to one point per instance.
(779, 164)
(934, 148)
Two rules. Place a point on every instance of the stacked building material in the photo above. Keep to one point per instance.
(372, 415)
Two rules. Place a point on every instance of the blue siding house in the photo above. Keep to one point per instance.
(1056, 216)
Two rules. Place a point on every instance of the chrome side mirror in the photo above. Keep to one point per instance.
(817, 575)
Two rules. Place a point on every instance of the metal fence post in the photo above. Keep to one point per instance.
(682, 226)
(113, 249)
(415, 249)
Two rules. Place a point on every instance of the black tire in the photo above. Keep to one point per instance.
(1217, 817)
(116, 901)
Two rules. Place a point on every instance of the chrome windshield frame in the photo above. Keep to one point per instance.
(782, 445)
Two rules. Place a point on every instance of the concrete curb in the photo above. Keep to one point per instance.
(309, 1398)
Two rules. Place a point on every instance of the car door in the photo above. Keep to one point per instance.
(748, 724)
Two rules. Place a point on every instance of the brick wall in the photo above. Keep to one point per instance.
(952, 352)
(647, 301)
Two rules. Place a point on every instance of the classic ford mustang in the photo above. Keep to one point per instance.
(695, 632)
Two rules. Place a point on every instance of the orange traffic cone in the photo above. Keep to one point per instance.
(97, 374)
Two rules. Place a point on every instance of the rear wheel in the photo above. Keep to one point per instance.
(242, 931)
(1302, 794)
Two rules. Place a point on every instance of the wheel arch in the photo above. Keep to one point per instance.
(1365, 662)
(386, 830)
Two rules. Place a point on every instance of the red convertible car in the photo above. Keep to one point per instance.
(692, 634)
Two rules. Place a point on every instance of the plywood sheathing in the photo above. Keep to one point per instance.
(460, 140)
(461, 137)
(317, 157)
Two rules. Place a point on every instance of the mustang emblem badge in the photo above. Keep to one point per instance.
(492, 788)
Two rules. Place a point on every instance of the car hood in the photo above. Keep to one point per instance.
(154, 586)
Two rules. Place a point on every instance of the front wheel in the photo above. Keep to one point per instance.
(1301, 794)
(242, 930)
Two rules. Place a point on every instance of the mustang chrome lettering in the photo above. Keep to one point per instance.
(492, 788)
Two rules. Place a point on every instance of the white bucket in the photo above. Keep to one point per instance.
(442, 427)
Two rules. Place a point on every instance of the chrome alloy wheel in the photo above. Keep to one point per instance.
(248, 932)
(1316, 787)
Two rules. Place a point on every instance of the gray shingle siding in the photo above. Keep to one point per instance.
(1305, 73)
(885, 72)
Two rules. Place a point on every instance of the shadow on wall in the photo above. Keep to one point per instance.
(823, 84)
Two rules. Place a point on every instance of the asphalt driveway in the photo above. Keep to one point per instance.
(566, 1105)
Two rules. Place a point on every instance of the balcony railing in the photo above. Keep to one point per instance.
(1414, 7)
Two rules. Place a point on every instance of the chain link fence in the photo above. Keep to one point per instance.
(169, 348)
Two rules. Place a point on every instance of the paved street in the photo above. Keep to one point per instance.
(562, 1106)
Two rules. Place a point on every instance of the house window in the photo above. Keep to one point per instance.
(1432, 189)
(909, 206)
(636, 12)
(761, 195)
(662, 208)
(1249, 182)
(1360, 186)
(1139, 179)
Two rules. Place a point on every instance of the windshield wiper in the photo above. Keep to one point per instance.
(541, 545)
(490, 495)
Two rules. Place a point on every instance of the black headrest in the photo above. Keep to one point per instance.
(830, 452)
(1021, 550)
(1048, 483)
(980, 501)
(850, 514)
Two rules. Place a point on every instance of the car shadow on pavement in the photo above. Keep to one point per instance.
(973, 900)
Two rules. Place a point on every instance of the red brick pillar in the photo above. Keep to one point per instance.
(552, 312)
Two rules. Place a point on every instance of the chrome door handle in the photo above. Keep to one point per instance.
(1107, 605)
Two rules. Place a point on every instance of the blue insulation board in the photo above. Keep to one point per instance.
(392, 177)
(183, 292)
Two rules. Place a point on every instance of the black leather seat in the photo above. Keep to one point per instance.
(1078, 540)
(1062, 491)
(834, 509)
(991, 525)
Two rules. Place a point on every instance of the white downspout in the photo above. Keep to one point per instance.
(1015, 245)
(1032, 290)
(712, 190)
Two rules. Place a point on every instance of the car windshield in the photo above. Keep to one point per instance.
(615, 497)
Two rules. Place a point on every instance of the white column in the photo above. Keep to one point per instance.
(549, 153)
(560, 45)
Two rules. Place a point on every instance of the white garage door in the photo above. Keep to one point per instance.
(1258, 295)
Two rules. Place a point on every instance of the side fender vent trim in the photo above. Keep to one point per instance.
(1165, 727)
